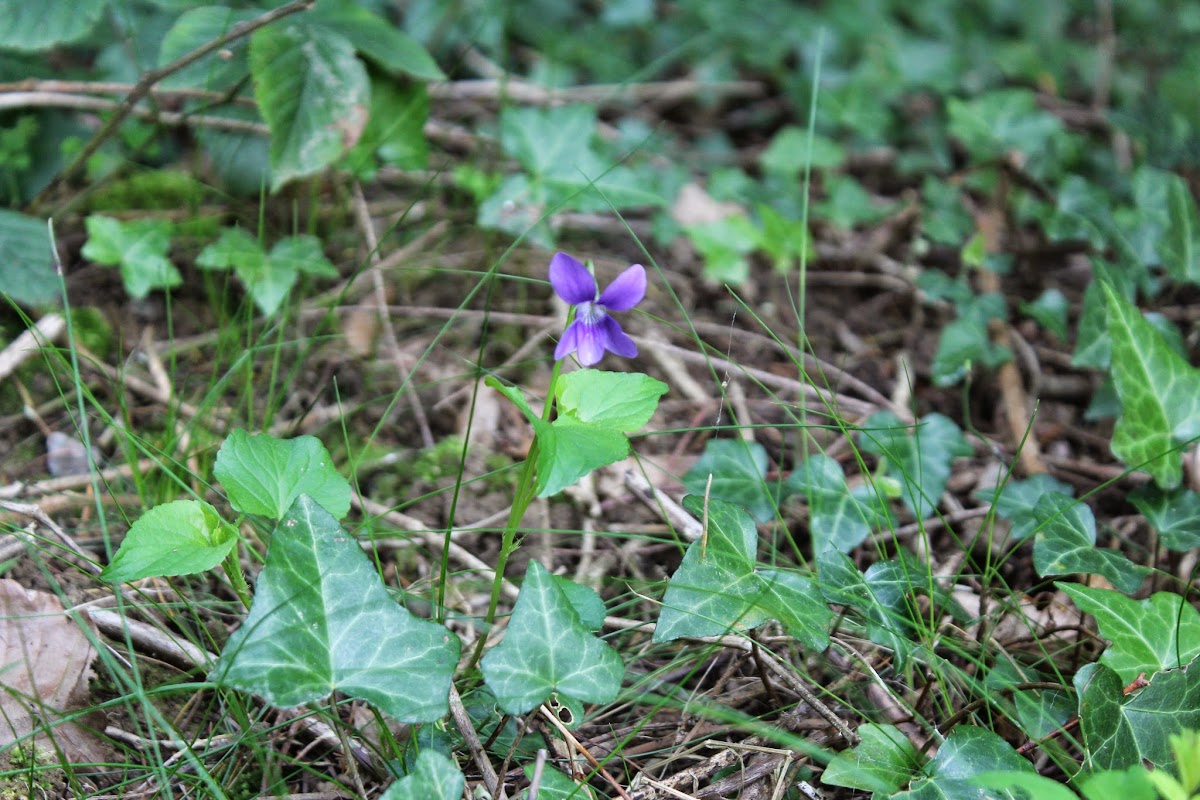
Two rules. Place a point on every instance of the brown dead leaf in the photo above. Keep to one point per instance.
(45, 662)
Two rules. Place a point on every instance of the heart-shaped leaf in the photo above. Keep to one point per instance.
(434, 777)
(264, 475)
(1066, 543)
(967, 752)
(919, 457)
(883, 761)
(322, 622)
(547, 649)
(1174, 514)
(178, 538)
(738, 469)
(840, 518)
(1016, 501)
(717, 589)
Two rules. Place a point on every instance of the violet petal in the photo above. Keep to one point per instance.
(626, 290)
(569, 341)
(571, 280)
(592, 341)
(616, 339)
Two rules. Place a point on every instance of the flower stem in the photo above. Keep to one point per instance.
(526, 487)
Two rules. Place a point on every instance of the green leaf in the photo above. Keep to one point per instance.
(264, 475)
(784, 239)
(738, 469)
(724, 246)
(621, 401)
(1129, 784)
(1175, 515)
(547, 649)
(920, 457)
(216, 71)
(178, 538)
(717, 590)
(1019, 498)
(589, 433)
(966, 342)
(322, 622)
(313, 93)
(376, 38)
(1159, 633)
(884, 761)
(967, 753)
(1066, 544)
(1159, 391)
(550, 142)
(840, 518)
(235, 249)
(1032, 784)
(139, 247)
(557, 785)
(1121, 731)
(849, 204)
(434, 777)
(788, 153)
(1180, 247)
(267, 278)
(992, 125)
(880, 595)
(26, 263)
(39, 26)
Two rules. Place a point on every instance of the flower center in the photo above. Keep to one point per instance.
(590, 312)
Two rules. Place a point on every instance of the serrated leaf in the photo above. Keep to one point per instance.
(1121, 731)
(547, 649)
(840, 518)
(1066, 543)
(323, 622)
(264, 475)
(138, 247)
(717, 588)
(738, 469)
(39, 26)
(884, 761)
(196, 27)
(1179, 248)
(967, 753)
(1019, 498)
(1159, 633)
(920, 458)
(622, 401)
(376, 38)
(395, 132)
(313, 93)
(433, 777)
(1159, 391)
(26, 263)
(178, 538)
(1174, 515)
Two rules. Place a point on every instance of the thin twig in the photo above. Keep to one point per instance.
(463, 722)
(146, 83)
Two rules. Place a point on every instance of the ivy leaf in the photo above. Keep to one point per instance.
(1120, 730)
(968, 752)
(1175, 515)
(841, 518)
(1066, 543)
(884, 761)
(1018, 499)
(717, 589)
(558, 785)
(433, 777)
(1159, 391)
(313, 93)
(322, 622)
(966, 342)
(267, 277)
(1159, 633)
(547, 649)
(738, 469)
(178, 538)
(920, 457)
(138, 247)
(1180, 247)
(264, 475)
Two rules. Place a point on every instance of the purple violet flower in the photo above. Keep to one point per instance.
(594, 330)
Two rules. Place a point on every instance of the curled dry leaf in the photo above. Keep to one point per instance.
(45, 662)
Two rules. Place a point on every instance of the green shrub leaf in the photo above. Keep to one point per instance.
(1066, 543)
(738, 469)
(138, 247)
(434, 777)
